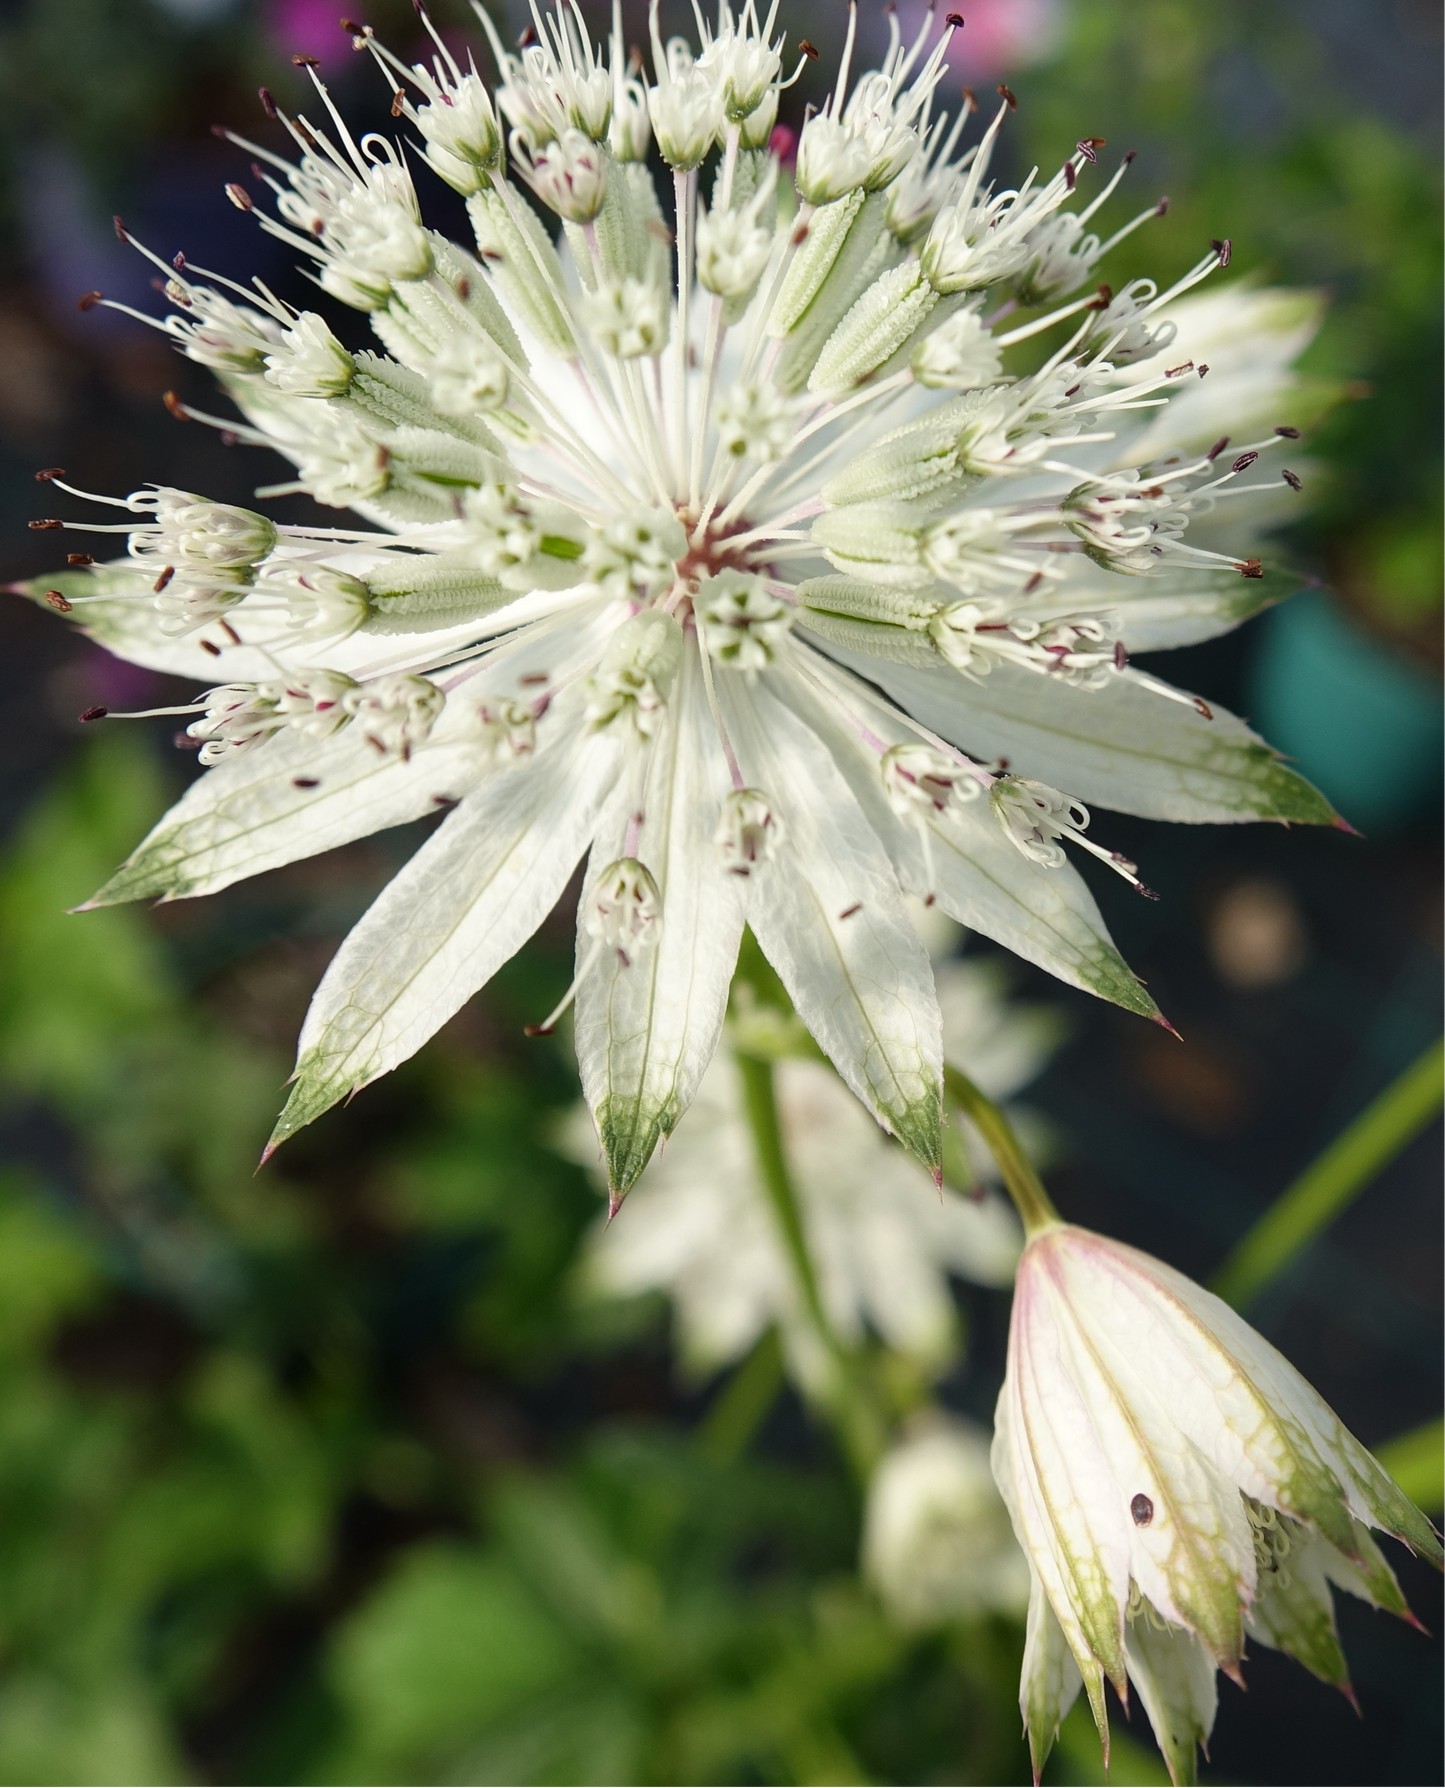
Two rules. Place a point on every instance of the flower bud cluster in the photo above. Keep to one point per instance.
(749, 831)
(625, 910)
(203, 556)
(920, 780)
(630, 687)
(636, 554)
(309, 361)
(525, 543)
(239, 716)
(374, 240)
(741, 620)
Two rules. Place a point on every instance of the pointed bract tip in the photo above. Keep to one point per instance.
(1235, 1674)
(269, 1150)
(1415, 1621)
(1346, 1688)
(938, 1178)
(614, 1203)
(1341, 824)
(1165, 1025)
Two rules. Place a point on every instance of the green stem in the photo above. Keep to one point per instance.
(852, 1408)
(1325, 1187)
(740, 1408)
(1025, 1187)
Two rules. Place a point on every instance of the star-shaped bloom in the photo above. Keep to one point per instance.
(703, 531)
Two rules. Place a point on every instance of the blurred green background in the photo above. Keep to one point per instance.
(328, 1474)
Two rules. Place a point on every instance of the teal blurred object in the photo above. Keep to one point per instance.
(1358, 718)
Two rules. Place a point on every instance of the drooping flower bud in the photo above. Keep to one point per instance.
(1176, 1487)
(960, 355)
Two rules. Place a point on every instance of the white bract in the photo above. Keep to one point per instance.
(709, 537)
(1177, 1488)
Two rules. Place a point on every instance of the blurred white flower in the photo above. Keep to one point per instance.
(883, 1241)
(937, 1544)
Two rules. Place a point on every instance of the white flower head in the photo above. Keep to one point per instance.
(505, 730)
(631, 686)
(467, 377)
(374, 240)
(1176, 1487)
(628, 317)
(733, 246)
(920, 778)
(342, 465)
(525, 543)
(310, 361)
(686, 105)
(602, 460)
(937, 1545)
(199, 537)
(321, 602)
(754, 422)
(568, 173)
(962, 355)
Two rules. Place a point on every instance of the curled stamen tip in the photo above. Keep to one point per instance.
(538, 1030)
(1148, 894)
(92, 714)
(44, 476)
(1009, 98)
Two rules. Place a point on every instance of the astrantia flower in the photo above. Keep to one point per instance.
(1178, 1488)
(733, 508)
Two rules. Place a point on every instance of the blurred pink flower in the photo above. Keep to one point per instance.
(999, 34)
(305, 27)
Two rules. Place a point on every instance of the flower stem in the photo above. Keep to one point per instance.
(851, 1407)
(1325, 1187)
(1025, 1187)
